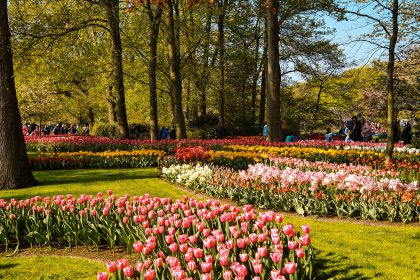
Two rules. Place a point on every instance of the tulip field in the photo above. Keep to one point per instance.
(219, 209)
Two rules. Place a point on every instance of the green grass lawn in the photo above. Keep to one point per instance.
(347, 250)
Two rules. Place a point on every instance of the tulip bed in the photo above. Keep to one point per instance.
(306, 192)
(181, 239)
(107, 159)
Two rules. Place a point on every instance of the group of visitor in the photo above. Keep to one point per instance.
(167, 134)
(58, 129)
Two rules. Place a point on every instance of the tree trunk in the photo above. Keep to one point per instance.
(263, 81)
(257, 68)
(91, 116)
(153, 45)
(204, 79)
(273, 72)
(390, 82)
(318, 100)
(221, 43)
(112, 117)
(15, 171)
(174, 59)
(113, 17)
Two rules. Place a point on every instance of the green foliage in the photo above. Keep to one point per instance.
(110, 130)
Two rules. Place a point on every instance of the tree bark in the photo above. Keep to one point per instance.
(390, 90)
(153, 45)
(263, 95)
(15, 171)
(112, 117)
(204, 79)
(273, 72)
(318, 100)
(113, 18)
(221, 43)
(174, 59)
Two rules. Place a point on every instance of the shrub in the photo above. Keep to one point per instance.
(106, 130)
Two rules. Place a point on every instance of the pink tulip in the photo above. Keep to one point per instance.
(227, 275)
(192, 266)
(306, 228)
(138, 266)
(243, 257)
(305, 240)
(173, 247)
(183, 248)
(183, 238)
(128, 271)
(258, 268)
(102, 276)
(276, 257)
(241, 243)
(193, 239)
(198, 253)
(112, 267)
(224, 260)
(158, 262)
(290, 267)
(206, 276)
(288, 229)
(262, 251)
(121, 263)
(209, 258)
(276, 275)
(137, 247)
(125, 220)
(150, 274)
(279, 218)
(292, 244)
(300, 253)
(206, 267)
(209, 242)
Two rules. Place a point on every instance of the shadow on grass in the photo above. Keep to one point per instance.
(7, 266)
(80, 176)
(332, 266)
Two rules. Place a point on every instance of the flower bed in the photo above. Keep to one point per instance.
(306, 192)
(98, 144)
(108, 159)
(183, 239)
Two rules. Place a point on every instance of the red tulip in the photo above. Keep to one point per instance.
(173, 247)
(198, 253)
(206, 276)
(276, 275)
(150, 274)
(276, 257)
(158, 262)
(300, 253)
(183, 248)
(121, 263)
(128, 271)
(241, 243)
(258, 268)
(292, 244)
(206, 267)
(306, 228)
(305, 240)
(138, 266)
(227, 275)
(262, 251)
(290, 267)
(192, 266)
(137, 247)
(209, 258)
(112, 267)
(243, 257)
(224, 260)
(102, 276)
(193, 239)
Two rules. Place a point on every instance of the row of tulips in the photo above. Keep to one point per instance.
(108, 159)
(306, 192)
(92, 143)
(401, 162)
(186, 239)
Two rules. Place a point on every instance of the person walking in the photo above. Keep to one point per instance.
(265, 131)
(406, 134)
(366, 130)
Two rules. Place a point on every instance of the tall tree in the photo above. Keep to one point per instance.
(174, 60)
(154, 22)
(112, 8)
(393, 21)
(15, 171)
(273, 77)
